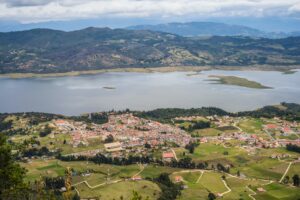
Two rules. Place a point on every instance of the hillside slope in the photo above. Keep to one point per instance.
(46, 51)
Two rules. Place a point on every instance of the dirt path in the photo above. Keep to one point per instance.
(253, 193)
(174, 154)
(202, 172)
(142, 167)
(228, 188)
(286, 171)
(106, 183)
(269, 134)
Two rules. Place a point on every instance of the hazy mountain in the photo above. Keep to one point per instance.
(210, 29)
(44, 50)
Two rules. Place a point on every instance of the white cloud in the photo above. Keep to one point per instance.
(48, 10)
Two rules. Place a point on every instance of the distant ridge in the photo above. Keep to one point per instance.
(51, 51)
(192, 29)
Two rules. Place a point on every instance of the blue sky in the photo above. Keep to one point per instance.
(268, 15)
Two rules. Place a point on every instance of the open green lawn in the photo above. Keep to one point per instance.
(238, 187)
(212, 181)
(125, 189)
(294, 169)
(40, 168)
(194, 192)
(227, 129)
(151, 171)
(206, 132)
(264, 168)
(207, 152)
(251, 125)
(53, 168)
(278, 191)
(190, 177)
(58, 143)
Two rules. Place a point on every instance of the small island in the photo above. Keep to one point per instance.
(109, 88)
(238, 81)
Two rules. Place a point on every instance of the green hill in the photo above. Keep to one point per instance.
(50, 51)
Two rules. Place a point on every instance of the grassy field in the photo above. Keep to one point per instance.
(261, 168)
(251, 125)
(125, 189)
(208, 152)
(277, 191)
(151, 171)
(206, 132)
(58, 143)
(212, 182)
(237, 81)
(238, 188)
(264, 168)
(40, 168)
(294, 169)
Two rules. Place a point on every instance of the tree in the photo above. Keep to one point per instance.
(286, 179)
(76, 197)
(238, 173)
(191, 147)
(136, 196)
(292, 147)
(46, 131)
(211, 196)
(11, 174)
(147, 146)
(109, 139)
(296, 180)
(169, 190)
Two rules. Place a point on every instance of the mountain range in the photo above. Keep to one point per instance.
(192, 29)
(49, 51)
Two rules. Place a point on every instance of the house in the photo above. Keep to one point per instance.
(168, 156)
(178, 179)
(286, 130)
(261, 189)
(112, 147)
(271, 126)
(136, 178)
(203, 140)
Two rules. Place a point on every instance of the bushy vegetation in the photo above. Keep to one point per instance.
(165, 115)
(291, 111)
(169, 190)
(292, 147)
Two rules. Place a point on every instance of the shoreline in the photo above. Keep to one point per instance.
(283, 69)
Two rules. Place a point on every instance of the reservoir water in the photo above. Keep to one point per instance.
(144, 91)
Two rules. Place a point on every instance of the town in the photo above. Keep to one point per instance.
(129, 150)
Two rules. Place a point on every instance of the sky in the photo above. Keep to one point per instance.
(277, 15)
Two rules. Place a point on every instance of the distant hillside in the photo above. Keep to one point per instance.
(202, 29)
(45, 50)
(192, 29)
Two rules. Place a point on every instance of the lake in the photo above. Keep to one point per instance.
(144, 91)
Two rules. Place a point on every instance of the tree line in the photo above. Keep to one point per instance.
(186, 163)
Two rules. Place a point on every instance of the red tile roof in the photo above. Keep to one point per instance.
(168, 155)
(271, 126)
